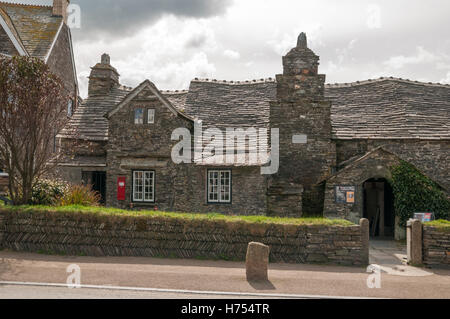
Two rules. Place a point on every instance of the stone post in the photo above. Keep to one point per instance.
(414, 242)
(365, 238)
(257, 262)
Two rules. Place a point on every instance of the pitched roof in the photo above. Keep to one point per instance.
(390, 108)
(386, 108)
(88, 121)
(154, 92)
(35, 25)
(231, 104)
(177, 99)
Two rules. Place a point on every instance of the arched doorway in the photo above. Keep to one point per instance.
(379, 207)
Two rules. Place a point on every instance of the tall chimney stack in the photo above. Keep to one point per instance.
(60, 8)
(103, 77)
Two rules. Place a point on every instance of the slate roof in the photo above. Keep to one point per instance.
(231, 104)
(177, 98)
(88, 121)
(234, 105)
(34, 25)
(390, 108)
(387, 108)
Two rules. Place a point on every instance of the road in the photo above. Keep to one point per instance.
(36, 292)
(206, 276)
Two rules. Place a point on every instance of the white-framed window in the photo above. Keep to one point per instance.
(151, 116)
(144, 186)
(219, 186)
(138, 116)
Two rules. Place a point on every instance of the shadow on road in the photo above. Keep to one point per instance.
(262, 285)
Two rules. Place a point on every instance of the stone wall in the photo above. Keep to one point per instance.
(431, 157)
(178, 187)
(99, 235)
(60, 61)
(436, 246)
(376, 165)
(6, 46)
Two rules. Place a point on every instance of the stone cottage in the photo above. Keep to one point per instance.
(336, 142)
(40, 32)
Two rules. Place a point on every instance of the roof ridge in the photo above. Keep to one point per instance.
(174, 91)
(382, 79)
(125, 88)
(232, 82)
(25, 5)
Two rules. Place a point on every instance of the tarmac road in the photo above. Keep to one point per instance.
(205, 276)
(36, 292)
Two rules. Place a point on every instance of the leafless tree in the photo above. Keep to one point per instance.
(33, 109)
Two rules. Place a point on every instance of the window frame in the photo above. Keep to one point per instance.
(135, 113)
(148, 116)
(219, 200)
(133, 182)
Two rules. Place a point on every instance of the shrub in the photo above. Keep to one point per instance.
(80, 195)
(48, 192)
(414, 192)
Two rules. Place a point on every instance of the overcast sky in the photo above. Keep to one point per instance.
(171, 42)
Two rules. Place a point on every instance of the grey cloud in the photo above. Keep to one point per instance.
(196, 41)
(102, 18)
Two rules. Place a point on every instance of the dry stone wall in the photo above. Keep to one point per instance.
(96, 235)
(436, 246)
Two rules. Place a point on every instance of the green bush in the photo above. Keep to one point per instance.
(48, 192)
(80, 195)
(414, 192)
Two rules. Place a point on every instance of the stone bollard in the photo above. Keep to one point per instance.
(414, 242)
(365, 238)
(257, 262)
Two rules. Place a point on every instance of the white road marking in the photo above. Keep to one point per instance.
(177, 291)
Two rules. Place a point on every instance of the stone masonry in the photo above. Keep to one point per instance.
(436, 246)
(102, 235)
(301, 109)
(330, 135)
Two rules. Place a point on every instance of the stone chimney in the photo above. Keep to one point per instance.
(303, 117)
(300, 77)
(60, 8)
(103, 77)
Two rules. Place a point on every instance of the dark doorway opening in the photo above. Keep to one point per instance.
(379, 207)
(97, 180)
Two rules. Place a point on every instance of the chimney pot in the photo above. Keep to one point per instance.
(106, 59)
(302, 42)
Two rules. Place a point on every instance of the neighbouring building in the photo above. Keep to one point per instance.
(336, 142)
(40, 32)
